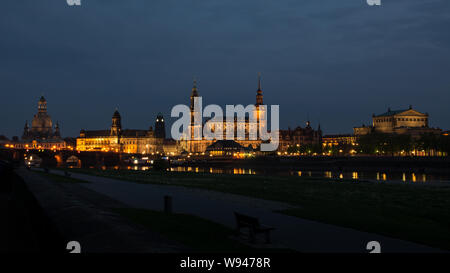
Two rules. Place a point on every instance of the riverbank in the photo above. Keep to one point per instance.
(417, 213)
(428, 165)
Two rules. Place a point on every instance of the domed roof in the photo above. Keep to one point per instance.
(41, 120)
(42, 99)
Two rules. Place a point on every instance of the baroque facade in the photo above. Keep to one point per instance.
(299, 136)
(200, 144)
(116, 139)
(406, 121)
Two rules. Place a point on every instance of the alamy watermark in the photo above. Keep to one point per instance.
(249, 123)
(374, 2)
(73, 2)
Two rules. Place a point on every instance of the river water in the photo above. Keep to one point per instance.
(353, 175)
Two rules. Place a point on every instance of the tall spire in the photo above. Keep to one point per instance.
(194, 88)
(259, 81)
(194, 93)
(259, 96)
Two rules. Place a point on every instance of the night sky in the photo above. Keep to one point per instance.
(334, 61)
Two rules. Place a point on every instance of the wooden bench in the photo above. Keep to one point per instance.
(253, 226)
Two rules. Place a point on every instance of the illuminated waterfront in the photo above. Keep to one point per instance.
(347, 175)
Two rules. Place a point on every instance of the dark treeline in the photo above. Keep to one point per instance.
(384, 144)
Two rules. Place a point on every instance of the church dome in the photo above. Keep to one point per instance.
(41, 121)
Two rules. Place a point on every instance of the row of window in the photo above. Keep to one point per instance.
(399, 119)
(105, 142)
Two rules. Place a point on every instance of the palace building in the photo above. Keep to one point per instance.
(340, 139)
(42, 135)
(406, 121)
(299, 136)
(116, 139)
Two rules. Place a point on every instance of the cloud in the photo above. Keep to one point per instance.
(322, 57)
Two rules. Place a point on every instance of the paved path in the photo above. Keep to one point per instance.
(292, 232)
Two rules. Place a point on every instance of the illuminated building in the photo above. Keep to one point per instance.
(129, 141)
(407, 121)
(299, 136)
(200, 145)
(42, 135)
(336, 140)
(228, 148)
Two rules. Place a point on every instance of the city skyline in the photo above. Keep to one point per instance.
(333, 63)
(151, 123)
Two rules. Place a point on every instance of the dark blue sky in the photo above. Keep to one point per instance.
(334, 61)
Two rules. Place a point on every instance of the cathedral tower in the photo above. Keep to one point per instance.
(194, 94)
(195, 129)
(260, 111)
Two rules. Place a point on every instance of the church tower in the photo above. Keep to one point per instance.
(195, 129)
(116, 126)
(160, 128)
(194, 94)
(259, 95)
(260, 111)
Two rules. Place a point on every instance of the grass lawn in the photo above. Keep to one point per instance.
(417, 213)
(195, 232)
(60, 178)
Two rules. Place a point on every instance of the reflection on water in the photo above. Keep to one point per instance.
(352, 175)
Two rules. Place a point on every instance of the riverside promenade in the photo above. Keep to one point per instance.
(291, 232)
(58, 213)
